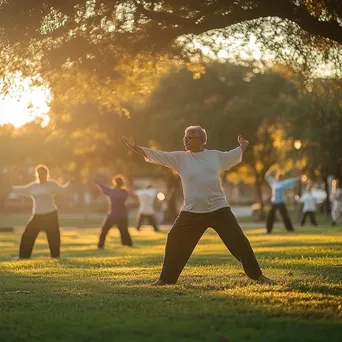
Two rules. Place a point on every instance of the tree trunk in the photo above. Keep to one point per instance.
(326, 187)
(258, 189)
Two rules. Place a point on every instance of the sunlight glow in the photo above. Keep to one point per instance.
(161, 196)
(297, 144)
(25, 103)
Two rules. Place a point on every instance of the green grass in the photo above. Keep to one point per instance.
(66, 219)
(92, 295)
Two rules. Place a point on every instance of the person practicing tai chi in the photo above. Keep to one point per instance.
(44, 212)
(146, 211)
(117, 211)
(336, 198)
(279, 185)
(205, 204)
(309, 208)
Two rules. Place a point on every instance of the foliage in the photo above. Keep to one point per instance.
(316, 119)
(96, 34)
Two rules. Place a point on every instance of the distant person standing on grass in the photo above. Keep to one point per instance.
(279, 185)
(309, 208)
(44, 212)
(336, 198)
(205, 204)
(146, 211)
(117, 211)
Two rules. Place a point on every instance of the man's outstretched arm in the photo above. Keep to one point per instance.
(134, 147)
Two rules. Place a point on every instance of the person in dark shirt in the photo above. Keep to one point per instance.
(117, 211)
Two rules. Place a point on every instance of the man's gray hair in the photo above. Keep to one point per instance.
(199, 132)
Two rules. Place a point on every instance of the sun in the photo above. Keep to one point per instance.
(18, 113)
(24, 103)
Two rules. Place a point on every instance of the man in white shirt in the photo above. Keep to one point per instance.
(146, 199)
(309, 208)
(205, 204)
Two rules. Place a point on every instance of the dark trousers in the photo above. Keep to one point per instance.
(122, 224)
(284, 214)
(39, 222)
(151, 220)
(188, 229)
(311, 214)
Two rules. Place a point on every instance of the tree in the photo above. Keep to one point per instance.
(316, 119)
(97, 33)
(94, 114)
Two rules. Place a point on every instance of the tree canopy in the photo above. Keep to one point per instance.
(97, 33)
(316, 119)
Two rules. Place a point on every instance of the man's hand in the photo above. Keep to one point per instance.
(134, 147)
(242, 142)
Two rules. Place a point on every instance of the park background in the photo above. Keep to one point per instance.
(76, 76)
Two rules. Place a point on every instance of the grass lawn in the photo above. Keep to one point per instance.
(92, 295)
(66, 219)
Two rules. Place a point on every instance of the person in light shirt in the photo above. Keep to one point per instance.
(146, 206)
(279, 185)
(336, 198)
(205, 204)
(44, 212)
(309, 208)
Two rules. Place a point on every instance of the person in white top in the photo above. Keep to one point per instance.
(44, 212)
(309, 208)
(146, 199)
(336, 198)
(205, 204)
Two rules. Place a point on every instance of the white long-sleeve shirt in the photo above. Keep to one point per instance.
(43, 195)
(200, 175)
(146, 200)
(309, 202)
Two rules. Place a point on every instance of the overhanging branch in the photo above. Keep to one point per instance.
(284, 9)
